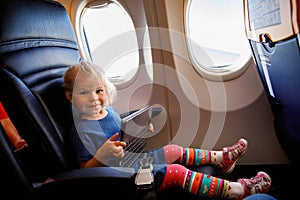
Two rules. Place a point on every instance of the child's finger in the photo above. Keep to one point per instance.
(120, 143)
(151, 127)
(112, 138)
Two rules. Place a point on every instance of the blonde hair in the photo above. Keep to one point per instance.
(89, 68)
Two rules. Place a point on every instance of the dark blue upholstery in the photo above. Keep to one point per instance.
(273, 34)
(11, 172)
(37, 44)
(282, 61)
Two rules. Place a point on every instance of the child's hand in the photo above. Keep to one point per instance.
(110, 148)
(117, 148)
(117, 143)
(151, 127)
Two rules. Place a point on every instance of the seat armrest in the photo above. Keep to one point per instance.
(118, 181)
(95, 172)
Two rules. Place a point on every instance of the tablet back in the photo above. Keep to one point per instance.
(135, 131)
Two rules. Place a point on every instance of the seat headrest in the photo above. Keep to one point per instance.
(37, 45)
(26, 17)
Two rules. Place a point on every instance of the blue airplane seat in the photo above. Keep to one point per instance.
(274, 39)
(37, 45)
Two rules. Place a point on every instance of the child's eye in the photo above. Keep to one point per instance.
(99, 91)
(83, 93)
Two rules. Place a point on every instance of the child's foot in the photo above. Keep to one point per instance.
(261, 183)
(232, 154)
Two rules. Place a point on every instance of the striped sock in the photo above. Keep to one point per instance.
(188, 156)
(194, 182)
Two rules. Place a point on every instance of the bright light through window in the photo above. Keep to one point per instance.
(112, 40)
(217, 36)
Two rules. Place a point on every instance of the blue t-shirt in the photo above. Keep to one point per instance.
(88, 135)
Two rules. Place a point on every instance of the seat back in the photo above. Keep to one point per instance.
(273, 31)
(36, 47)
(14, 182)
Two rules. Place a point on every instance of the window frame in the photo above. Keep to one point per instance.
(85, 50)
(215, 74)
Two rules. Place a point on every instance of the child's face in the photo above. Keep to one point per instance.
(89, 96)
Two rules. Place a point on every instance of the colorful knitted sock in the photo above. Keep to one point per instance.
(195, 182)
(188, 156)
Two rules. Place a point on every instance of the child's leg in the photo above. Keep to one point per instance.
(190, 156)
(206, 185)
(194, 182)
(225, 159)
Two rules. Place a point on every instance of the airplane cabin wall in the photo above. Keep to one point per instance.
(200, 112)
(233, 109)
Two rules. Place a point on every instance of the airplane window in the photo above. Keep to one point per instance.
(112, 40)
(216, 36)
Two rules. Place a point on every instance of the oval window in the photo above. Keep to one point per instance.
(112, 41)
(216, 37)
